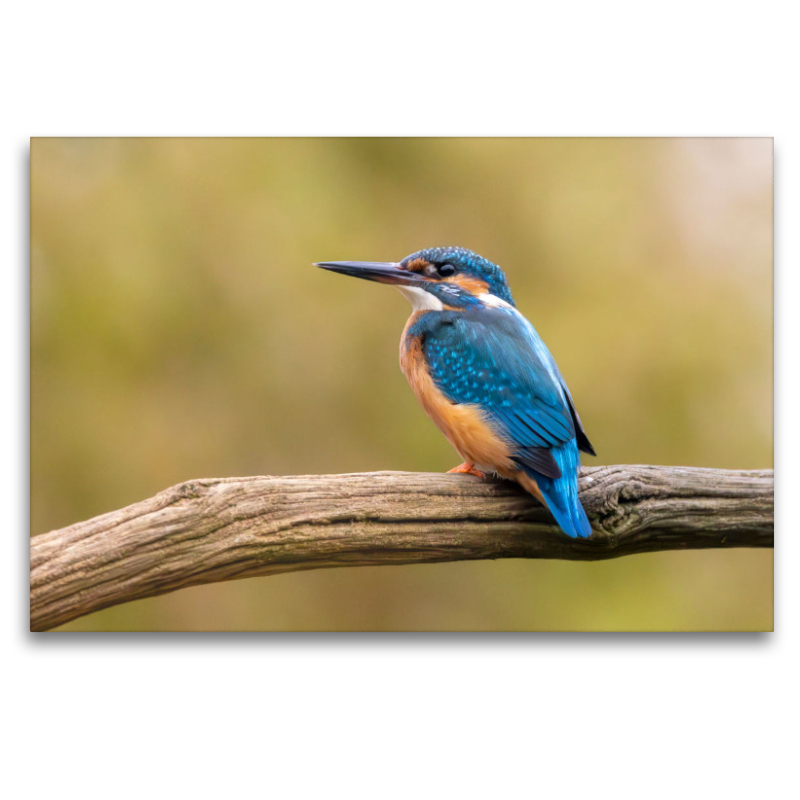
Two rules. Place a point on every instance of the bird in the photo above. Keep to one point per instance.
(485, 377)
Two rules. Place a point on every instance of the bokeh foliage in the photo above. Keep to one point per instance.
(178, 330)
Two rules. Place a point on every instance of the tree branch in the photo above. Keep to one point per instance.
(217, 529)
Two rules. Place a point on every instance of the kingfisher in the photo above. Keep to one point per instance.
(485, 377)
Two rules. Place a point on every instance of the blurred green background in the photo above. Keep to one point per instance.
(178, 330)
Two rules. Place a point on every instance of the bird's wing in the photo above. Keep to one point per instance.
(580, 434)
(494, 359)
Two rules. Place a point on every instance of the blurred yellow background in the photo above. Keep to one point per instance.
(178, 330)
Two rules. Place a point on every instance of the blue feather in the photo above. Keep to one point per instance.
(561, 493)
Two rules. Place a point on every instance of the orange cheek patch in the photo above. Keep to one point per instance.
(417, 265)
(472, 285)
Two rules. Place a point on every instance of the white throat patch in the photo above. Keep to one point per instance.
(420, 299)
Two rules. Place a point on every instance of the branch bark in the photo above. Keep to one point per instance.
(217, 529)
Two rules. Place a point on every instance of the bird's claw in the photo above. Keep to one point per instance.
(467, 468)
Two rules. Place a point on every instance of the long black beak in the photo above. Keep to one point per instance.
(380, 271)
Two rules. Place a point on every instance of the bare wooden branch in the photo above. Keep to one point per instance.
(217, 529)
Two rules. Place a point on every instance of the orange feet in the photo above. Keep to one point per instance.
(467, 468)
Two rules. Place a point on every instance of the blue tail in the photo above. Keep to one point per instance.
(561, 493)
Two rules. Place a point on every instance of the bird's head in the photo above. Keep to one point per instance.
(436, 278)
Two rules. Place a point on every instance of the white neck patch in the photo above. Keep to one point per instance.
(493, 301)
(420, 299)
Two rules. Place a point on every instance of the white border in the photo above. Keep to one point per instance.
(549, 716)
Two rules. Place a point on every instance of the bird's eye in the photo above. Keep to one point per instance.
(446, 270)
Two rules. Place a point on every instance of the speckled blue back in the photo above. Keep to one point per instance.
(485, 358)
